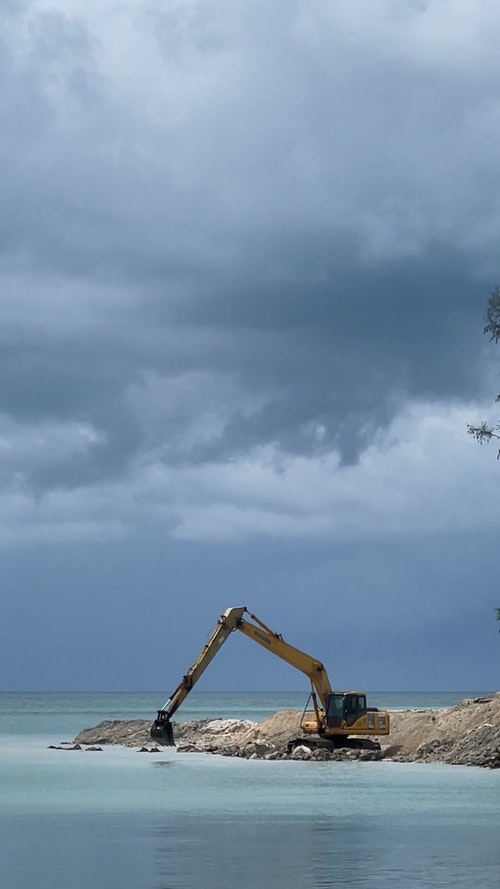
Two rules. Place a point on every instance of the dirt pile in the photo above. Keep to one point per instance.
(467, 734)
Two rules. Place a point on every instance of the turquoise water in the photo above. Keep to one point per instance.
(66, 714)
(176, 821)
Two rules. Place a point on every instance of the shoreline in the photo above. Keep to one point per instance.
(466, 734)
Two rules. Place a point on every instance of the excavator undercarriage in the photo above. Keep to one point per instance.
(335, 743)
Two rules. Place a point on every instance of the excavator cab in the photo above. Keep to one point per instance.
(345, 707)
(162, 730)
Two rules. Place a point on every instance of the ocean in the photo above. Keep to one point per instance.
(119, 819)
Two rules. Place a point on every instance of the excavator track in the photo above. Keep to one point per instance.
(334, 743)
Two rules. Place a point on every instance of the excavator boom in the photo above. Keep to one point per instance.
(274, 642)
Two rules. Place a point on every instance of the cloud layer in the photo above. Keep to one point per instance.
(232, 230)
(245, 251)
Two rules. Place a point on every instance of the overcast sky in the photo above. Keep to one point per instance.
(245, 254)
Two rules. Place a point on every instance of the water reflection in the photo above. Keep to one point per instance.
(259, 852)
(253, 851)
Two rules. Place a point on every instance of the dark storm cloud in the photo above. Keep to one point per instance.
(265, 202)
(342, 348)
(245, 250)
(329, 363)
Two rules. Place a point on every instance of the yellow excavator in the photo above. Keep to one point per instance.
(336, 716)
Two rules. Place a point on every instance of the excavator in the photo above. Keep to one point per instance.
(337, 718)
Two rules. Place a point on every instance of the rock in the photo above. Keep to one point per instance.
(301, 752)
(370, 756)
(127, 733)
(228, 726)
(322, 754)
(258, 748)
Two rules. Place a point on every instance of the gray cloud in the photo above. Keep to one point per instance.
(245, 251)
(267, 199)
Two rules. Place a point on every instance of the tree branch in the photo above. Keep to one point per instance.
(493, 316)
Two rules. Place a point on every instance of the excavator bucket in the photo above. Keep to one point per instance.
(162, 730)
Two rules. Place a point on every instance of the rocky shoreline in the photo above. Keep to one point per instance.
(466, 734)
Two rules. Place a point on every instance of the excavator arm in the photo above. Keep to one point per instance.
(161, 730)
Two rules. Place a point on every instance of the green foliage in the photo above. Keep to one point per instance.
(485, 432)
(493, 316)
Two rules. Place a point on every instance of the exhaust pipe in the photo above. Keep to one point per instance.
(162, 730)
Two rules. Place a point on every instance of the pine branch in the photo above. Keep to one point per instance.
(493, 316)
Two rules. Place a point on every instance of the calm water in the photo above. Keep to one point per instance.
(124, 820)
